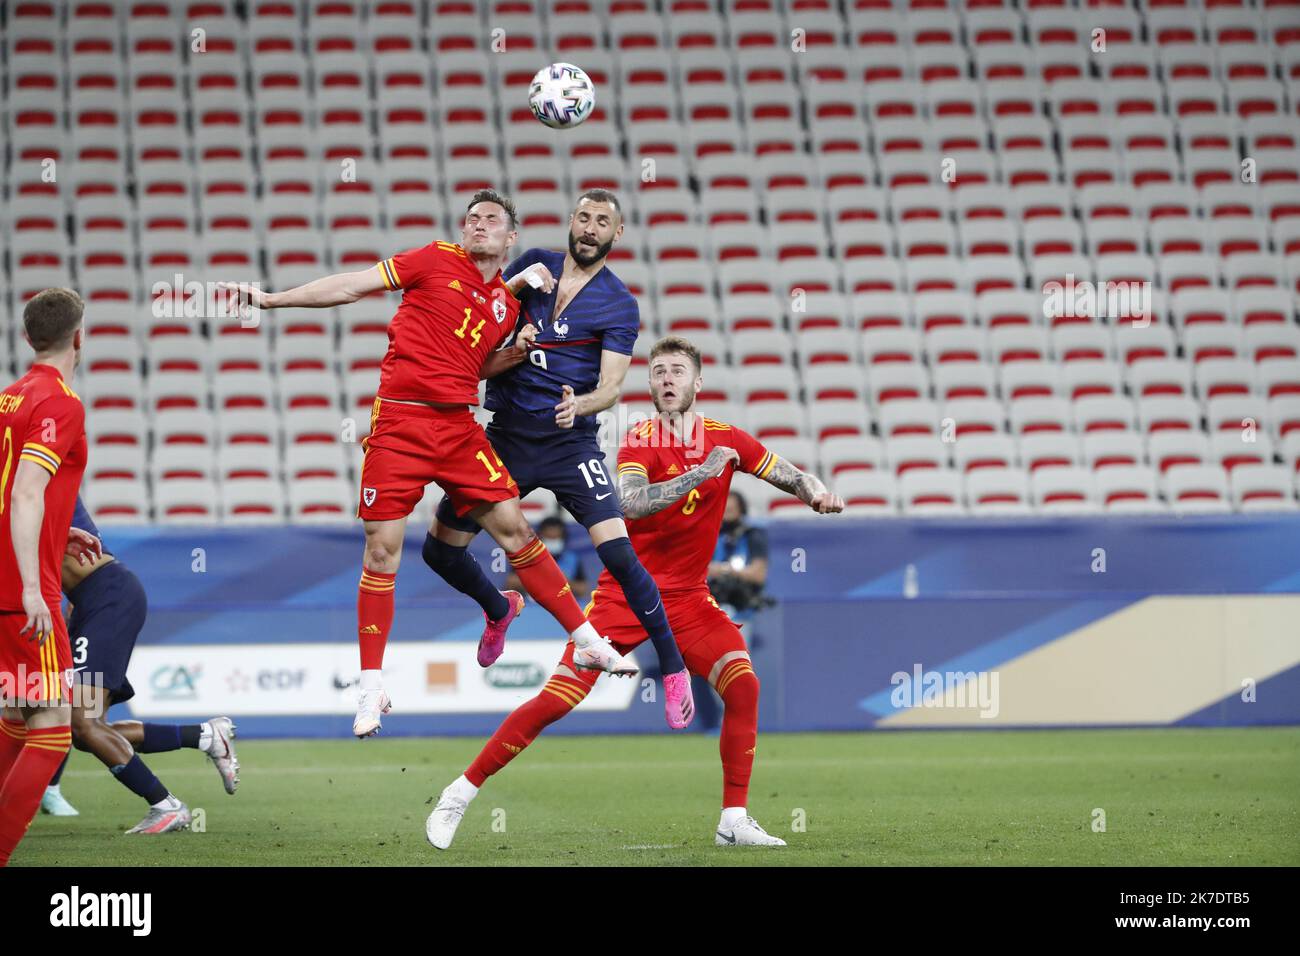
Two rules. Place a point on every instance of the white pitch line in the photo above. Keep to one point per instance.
(843, 762)
(652, 846)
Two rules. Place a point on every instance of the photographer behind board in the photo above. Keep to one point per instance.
(738, 572)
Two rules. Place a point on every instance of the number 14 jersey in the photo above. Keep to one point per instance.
(448, 322)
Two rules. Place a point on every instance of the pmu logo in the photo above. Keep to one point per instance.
(176, 682)
(514, 676)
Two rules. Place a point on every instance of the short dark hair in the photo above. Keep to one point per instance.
(740, 501)
(601, 195)
(51, 317)
(502, 200)
(551, 521)
(673, 344)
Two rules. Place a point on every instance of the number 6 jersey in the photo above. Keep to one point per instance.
(677, 543)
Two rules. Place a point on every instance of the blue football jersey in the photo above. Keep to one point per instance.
(603, 315)
(81, 519)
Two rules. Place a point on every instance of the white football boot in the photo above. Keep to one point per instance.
(441, 826)
(371, 705)
(745, 832)
(221, 751)
(599, 655)
(56, 804)
(165, 819)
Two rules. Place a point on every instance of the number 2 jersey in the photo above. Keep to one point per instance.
(677, 543)
(42, 421)
(448, 322)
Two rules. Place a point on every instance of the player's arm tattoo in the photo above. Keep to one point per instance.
(790, 479)
(640, 498)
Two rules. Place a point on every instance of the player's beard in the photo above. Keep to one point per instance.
(682, 405)
(585, 260)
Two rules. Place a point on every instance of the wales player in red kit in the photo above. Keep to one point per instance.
(42, 458)
(455, 311)
(674, 477)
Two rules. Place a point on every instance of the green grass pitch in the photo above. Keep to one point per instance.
(1170, 797)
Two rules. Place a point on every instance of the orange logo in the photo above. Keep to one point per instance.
(565, 590)
(440, 677)
(370, 629)
(751, 751)
(673, 470)
(511, 747)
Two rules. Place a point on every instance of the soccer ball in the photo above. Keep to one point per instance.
(561, 96)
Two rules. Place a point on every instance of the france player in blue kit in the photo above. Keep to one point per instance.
(577, 326)
(108, 612)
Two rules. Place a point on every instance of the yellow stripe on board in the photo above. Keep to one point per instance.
(1153, 662)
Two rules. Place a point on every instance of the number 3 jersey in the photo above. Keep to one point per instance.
(448, 322)
(677, 543)
(43, 422)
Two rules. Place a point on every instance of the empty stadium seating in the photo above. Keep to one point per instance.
(945, 254)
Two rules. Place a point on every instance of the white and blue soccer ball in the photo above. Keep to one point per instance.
(561, 96)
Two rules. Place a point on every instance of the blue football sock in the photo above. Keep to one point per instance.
(139, 779)
(58, 774)
(458, 568)
(160, 738)
(644, 599)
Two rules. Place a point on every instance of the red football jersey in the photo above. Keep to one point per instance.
(448, 323)
(677, 543)
(44, 422)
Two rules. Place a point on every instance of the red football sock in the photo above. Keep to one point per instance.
(738, 687)
(20, 796)
(374, 616)
(558, 697)
(544, 580)
(13, 734)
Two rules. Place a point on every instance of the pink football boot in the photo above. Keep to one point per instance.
(679, 704)
(493, 641)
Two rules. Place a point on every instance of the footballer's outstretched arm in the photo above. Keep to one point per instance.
(807, 488)
(323, 293)
(640, 498)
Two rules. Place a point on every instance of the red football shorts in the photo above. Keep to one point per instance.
(707, 638)
(412, 445)
(29, 670)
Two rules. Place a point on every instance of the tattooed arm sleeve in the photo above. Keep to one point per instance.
(790, 479)
(640, 498)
